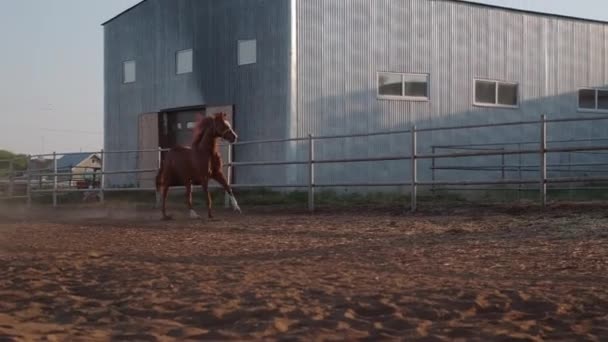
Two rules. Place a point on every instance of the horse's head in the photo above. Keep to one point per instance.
(223, 129)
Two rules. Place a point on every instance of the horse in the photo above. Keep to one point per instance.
(198, 163)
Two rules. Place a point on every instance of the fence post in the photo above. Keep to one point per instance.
(311, 173)
(519, 173)
(11, 178)
(570, 175)
(228, 176)
(414, 163)
(102, 180)
(54, 179)
(503, 175)
(543, 160)
(160, 161)
(433, 170)
(28, 187)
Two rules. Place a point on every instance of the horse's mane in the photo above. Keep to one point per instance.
(203, 123)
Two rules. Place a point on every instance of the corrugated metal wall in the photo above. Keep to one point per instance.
(337, 49)
(154, 31)
(343, 44)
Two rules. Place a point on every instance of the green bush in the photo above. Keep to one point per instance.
(20, 161)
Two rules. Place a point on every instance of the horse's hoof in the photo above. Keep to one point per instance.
(194, 215)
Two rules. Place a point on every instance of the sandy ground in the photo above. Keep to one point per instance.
(469, 274)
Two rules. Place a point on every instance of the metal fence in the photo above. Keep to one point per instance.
(519, 167)
(52, 184)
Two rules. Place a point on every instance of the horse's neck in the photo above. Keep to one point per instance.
(207, 141)
(202, 133)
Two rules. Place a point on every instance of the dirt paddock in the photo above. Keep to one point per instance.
(470, 274)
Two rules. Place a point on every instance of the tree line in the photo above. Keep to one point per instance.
(19, 161)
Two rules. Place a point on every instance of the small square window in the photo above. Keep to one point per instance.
(183, 61)
(390, 84)
(247, 52)
(507, 94)
(190, 125)
(586, 98)
(485, 92)
(416, 85)
(128, 72)
(602, 99)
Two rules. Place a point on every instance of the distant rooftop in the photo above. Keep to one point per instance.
(70, 161)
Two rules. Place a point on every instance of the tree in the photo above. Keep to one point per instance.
(20, 161)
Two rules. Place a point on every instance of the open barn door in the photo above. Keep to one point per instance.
(148, 139)
(229, 110)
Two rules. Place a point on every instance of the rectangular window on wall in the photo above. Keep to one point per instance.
(602, 99)
(590, 99)
(183, 61)
(402, 86)
(247, 52)
(496, 93)
(128, 72)
(507, 94)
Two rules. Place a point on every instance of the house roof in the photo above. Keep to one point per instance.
(41, 164)
(463, 1)
(69, 161)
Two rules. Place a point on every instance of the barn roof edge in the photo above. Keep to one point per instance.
(563, 16)
(123, 12)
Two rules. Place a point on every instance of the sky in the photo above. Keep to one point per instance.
(51, 68)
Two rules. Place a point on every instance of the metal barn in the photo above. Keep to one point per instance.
(290, 68)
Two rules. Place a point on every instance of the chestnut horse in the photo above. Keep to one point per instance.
(197, 164)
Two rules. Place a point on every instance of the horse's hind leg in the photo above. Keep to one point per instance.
(219, 177)
(165, 193)
(193, 214)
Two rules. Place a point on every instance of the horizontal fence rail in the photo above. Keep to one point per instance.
(59, 181)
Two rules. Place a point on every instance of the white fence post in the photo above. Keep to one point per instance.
(228, 176)
(54, 179)
(160, 161)
(543, 160)
(102, 180)
(414, 165)
(311, 173)
(11, 178)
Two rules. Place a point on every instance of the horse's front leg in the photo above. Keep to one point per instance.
(219, 177)
(193, 214)
(206, 191)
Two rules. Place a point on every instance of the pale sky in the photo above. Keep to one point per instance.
(51, 68)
